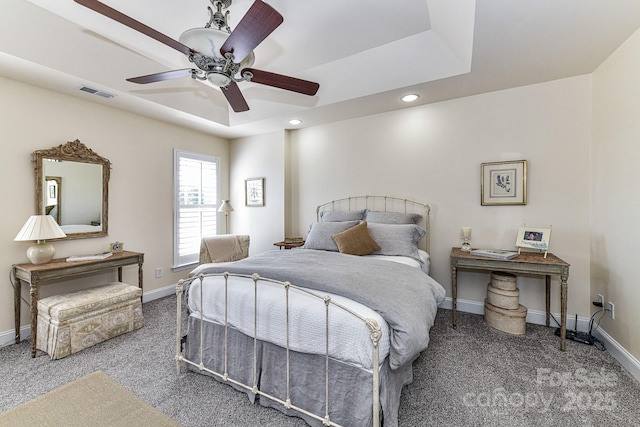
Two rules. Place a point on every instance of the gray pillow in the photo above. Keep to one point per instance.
(320, 234)
(337, 216)
(397, 239)
(392, 217)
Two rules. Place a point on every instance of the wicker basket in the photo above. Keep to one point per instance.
(501, 280)
(503, 298)
(509, 321)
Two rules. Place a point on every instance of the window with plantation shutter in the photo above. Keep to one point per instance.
(196, 179)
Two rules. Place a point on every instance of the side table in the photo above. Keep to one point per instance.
(525, 263)
(36, 275)
(290, 243)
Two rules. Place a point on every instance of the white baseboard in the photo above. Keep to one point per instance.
(626, 359)
(533, 316)
(8, 337)
(159, 293)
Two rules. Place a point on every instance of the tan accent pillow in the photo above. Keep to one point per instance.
(356, 241)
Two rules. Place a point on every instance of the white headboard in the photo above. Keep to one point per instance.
(385, 204)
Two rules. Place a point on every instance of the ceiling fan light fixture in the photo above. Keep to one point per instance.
(410, 97)
(208, 41)
(218, 79)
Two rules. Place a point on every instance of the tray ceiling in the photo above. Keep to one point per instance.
(364, 54)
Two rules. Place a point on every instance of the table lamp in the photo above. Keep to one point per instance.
(40, 228)
(226, 208)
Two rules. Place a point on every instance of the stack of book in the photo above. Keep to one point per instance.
(494, 253)
(102, 255)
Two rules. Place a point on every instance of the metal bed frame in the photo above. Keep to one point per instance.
(381, 203)
(374, 330)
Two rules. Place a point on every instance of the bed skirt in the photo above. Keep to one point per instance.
(350, 387)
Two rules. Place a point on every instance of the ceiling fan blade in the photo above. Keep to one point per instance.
(283, 82)
(120, 17)
(259, 21)
(235, 97)
(166, 75)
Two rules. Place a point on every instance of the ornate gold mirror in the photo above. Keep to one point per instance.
(72, 185)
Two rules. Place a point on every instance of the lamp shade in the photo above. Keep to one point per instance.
(40, 227)
(225, 206)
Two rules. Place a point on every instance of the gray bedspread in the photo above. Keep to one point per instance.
(404, 296)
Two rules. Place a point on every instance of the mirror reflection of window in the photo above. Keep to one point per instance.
(52, 197)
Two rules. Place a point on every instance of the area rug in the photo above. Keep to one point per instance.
(93, 400)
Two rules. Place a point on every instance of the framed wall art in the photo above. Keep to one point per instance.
(504, 183)
(254, 192)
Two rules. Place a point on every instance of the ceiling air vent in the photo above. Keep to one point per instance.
(96, 92)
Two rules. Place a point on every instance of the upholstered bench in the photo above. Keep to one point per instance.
(68, 323)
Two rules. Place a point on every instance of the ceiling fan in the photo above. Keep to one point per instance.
(223, 57)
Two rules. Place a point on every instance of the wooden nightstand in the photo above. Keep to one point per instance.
(525, 263)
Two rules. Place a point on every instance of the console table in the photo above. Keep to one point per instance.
(37, 275)
(524, 263)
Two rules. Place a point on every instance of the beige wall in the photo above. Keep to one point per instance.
(579, 137)
(141, 185)
(615, 205)
(433, 153)
(259, 157)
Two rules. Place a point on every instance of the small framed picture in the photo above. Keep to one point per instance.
(534, 238)
(254, 192)
(116, 247)
(504, 183)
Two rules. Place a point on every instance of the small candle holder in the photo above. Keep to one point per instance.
(465, 234)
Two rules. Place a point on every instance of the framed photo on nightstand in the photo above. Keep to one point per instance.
(534, 238)
(116, 247)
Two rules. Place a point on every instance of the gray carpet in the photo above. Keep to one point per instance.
(473, 376)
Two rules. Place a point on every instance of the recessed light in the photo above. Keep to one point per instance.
(410, 98)
(295, 122)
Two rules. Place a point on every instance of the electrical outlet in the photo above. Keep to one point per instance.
(601, 299)
(158, 272)
(612, 312)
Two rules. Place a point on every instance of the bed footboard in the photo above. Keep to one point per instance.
(287, 288)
